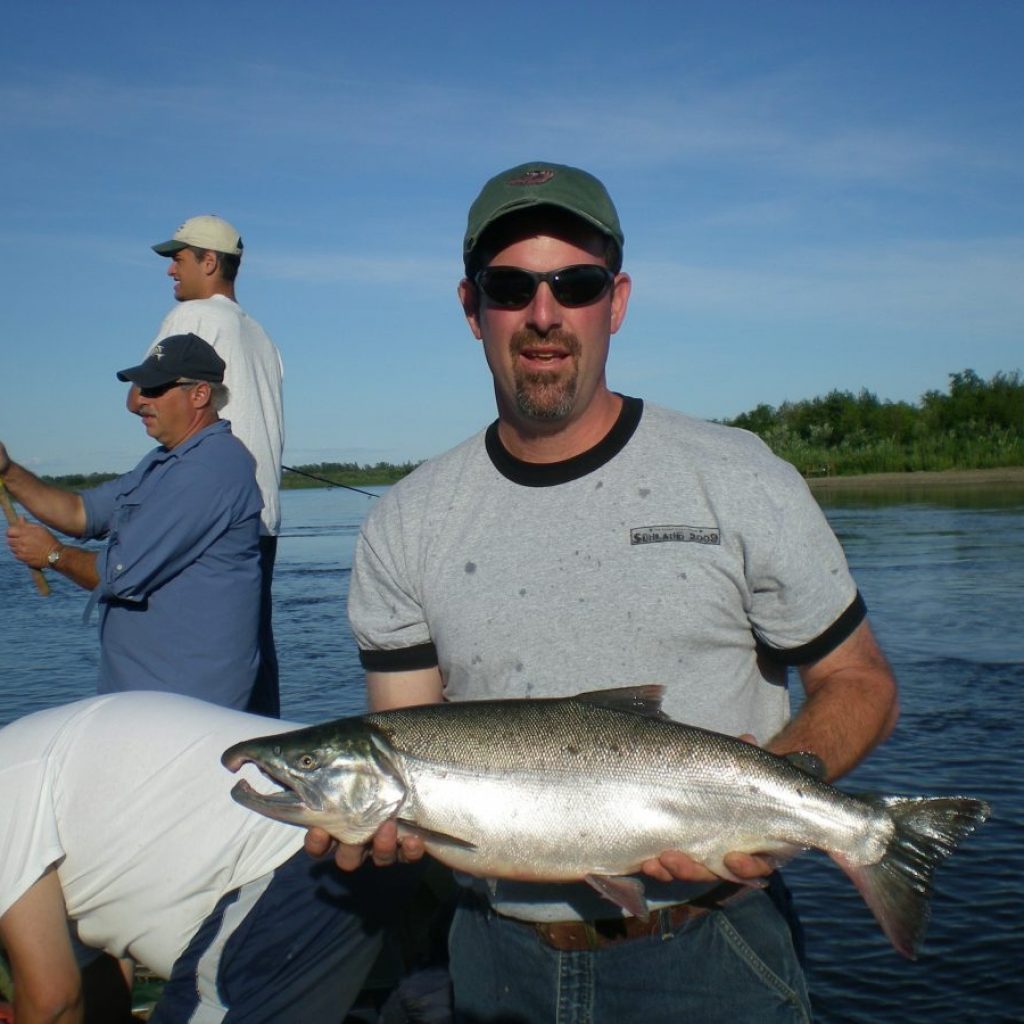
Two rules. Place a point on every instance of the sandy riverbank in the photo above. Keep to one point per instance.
(1010, 476)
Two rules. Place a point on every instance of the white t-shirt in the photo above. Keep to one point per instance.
(253, 375)
(127, 795)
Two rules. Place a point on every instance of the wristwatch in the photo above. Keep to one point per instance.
(54, 556)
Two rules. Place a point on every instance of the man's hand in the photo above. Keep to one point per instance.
(31, 543)
(674, 865)
(385, 848)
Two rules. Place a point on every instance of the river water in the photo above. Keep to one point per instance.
(943, 576)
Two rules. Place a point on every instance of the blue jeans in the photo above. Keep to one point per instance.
(736, 964)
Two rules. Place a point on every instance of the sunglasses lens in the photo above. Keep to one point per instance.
(514, 288)
(161, 389)
(581, 285)
(507, 287)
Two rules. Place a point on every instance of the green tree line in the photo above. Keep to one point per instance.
(350, 473)
(975, 424)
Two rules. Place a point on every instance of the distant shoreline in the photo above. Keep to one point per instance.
(1012, 475)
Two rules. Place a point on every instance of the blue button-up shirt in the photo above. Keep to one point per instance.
(179, 589)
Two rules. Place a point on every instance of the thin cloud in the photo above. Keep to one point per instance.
(965, 286)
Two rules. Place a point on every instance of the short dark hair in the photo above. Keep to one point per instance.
(547, 218)
(227, 262)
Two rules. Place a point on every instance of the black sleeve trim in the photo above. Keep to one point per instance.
(405, 659)
(811, 652)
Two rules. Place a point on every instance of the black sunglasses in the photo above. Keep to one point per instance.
(513, 288)
(161, 389)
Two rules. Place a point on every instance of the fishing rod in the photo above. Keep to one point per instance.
(330, 483)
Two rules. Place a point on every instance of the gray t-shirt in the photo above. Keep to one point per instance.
(676, 551)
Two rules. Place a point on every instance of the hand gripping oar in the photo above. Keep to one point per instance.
(12, 517)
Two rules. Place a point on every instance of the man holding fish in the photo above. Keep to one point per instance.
(588, 540)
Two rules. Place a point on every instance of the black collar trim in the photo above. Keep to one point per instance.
(550, 474)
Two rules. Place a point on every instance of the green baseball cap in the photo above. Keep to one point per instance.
(541, 184)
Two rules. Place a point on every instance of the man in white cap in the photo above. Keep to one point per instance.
(205, 254)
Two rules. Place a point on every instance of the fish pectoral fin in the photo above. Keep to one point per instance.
(429, 835)
(808, 763)
(623, 890)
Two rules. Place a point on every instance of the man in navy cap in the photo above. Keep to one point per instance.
(178, 580)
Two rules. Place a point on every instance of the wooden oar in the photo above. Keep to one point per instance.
(12, 517)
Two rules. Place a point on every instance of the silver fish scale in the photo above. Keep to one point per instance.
(534, 781)
(594, 785)
(550, 735)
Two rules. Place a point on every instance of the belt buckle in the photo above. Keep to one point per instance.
(591, 935)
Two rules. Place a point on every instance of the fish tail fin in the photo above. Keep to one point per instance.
(898, 888)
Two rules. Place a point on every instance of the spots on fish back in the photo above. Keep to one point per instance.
(644, 492)
(470, 568)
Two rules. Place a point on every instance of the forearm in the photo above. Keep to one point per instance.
(34, 932)
(79, 566)
(851, 706)
(402, 689)
(28, 1011)
(60, 509)
(34, 544)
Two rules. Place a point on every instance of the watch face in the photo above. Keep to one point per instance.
(53, 556)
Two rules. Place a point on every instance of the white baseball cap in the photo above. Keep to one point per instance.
(206, 232)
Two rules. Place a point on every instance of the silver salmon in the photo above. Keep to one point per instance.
(591, 786)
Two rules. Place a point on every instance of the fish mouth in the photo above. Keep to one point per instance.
(291, 798)
(286, 799)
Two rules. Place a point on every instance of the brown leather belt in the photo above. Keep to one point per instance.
(586, 936)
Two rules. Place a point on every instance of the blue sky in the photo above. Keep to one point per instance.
(815, 195)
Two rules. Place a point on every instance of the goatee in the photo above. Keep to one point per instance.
(545, 396)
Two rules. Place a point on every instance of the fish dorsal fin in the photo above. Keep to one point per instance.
(809, 764)
(640, 700)
(623, 890)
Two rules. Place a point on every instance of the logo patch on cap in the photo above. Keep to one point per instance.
(158, 352)
(538, 177)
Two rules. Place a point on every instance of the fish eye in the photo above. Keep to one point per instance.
(307, 761)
